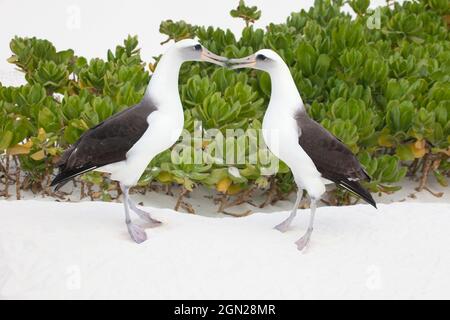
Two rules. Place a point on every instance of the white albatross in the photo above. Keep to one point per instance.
(313, 154)
(124, 144)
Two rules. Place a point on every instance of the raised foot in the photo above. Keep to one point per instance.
(153, 223)
(283, 227)
(144, 215)
(303, 242)
(136, 232)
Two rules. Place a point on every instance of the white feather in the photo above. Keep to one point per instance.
(164, 125)
(281, 132)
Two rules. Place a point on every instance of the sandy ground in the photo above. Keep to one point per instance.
(82, 250)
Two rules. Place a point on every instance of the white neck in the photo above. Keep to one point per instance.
(285, 96)
(163, 86)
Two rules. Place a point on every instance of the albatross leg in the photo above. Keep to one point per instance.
(144, 215)
(304, 240)
(136, 232)
(283, 227)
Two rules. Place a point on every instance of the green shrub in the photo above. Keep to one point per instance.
(384, 92)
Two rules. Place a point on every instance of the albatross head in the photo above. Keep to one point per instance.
(192, 50)
(265, 60)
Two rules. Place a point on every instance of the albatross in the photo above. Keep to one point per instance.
(124, 144)
(314, 155)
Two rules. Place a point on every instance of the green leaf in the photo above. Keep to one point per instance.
(5, 140)
(359, 6)
(47, 120)
(265, 83)
(404, 152)
(248, 14)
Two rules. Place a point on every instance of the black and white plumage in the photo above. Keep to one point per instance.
(313, 154)
(124, 144)
(106, 143)
(332, 158)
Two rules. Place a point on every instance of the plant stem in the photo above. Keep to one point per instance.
(17, 178)
(6, 177)
(168, 188)
(82, 192)
(413, 168)
(436, 194)
(270, 193)
(223, 203)
(183, 191)
(165, 41)
(90, 193)
(428, 160)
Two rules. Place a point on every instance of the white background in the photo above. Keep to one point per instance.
(91, 27)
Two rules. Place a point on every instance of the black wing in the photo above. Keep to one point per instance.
(106, 143)
(332, 158)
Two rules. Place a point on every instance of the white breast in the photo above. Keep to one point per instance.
(163, 131)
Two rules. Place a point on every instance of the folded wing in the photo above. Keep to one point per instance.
(106, 143)
(332, 158)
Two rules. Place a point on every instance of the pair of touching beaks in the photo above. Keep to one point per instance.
(246, 62)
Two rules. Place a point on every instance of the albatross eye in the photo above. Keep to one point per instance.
(198, 47)
(261, 57)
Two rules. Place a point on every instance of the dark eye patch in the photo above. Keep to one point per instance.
(261, 57)
(198, 47)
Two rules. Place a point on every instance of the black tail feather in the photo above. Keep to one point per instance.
(65, 176)
(356, 188)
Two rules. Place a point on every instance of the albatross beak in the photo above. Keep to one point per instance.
(213, 58)
(247, 62)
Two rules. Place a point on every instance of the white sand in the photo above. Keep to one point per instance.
(82, 250)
